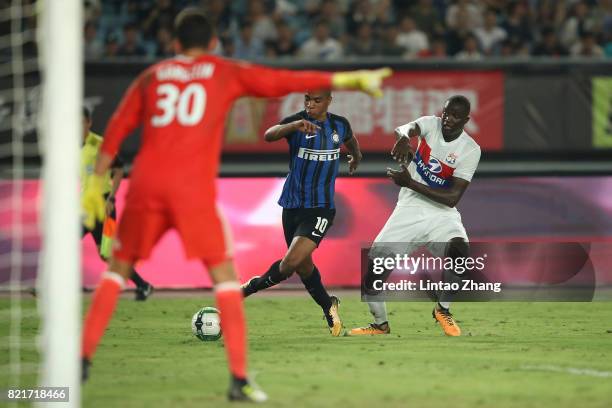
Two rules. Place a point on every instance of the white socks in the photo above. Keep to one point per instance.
(115, 277)
(445, 305)
(379, 311)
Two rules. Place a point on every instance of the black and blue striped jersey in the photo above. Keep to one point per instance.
(314, 161)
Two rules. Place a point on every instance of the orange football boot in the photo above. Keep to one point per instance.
(334, 321)
(371, 330)
(445, 318)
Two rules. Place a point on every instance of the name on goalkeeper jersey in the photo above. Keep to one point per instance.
(184, 74)
(319, 155)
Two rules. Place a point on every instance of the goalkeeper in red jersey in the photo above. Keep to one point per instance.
(181, 105)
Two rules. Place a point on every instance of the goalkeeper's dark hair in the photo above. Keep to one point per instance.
(193, 29)
(86, 113)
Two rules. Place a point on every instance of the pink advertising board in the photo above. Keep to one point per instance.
(527, 209)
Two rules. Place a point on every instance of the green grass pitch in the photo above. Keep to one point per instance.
(511, 355)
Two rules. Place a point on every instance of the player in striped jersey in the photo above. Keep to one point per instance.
(314, 136)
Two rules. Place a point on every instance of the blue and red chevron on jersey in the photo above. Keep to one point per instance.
(432, 170)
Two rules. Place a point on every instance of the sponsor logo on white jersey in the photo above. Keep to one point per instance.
(434, 165)
(429, 175)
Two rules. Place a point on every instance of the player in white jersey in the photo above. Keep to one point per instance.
(438, 174)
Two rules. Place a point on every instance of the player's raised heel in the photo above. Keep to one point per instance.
(247, 288)
(143, 292)
(333, 318)
(445, 318)
(371, 330)
(244, 391)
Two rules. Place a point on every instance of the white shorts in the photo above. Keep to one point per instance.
(411, 227)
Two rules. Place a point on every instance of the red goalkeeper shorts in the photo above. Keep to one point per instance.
(205, 234)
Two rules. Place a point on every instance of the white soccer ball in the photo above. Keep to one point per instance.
(206, 324)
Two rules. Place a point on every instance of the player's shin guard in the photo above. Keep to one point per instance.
(371, 278)
(229, 302)
(271, 278)
(100, 311)
(445, 297)
(455, 249)
(377, 309)
(317, 291)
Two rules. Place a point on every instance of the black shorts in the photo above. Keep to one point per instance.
(312, 223)
(96, 232)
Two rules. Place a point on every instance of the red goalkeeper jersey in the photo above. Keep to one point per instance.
(182, 104)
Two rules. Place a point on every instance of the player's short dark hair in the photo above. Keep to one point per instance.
(86, 113)
(326, 92)
(193, 29)
(461, 101)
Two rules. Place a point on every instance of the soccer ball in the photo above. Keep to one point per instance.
(206, 324)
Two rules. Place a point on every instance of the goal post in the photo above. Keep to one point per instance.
(61, 53)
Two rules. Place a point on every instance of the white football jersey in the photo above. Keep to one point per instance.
(436, 161)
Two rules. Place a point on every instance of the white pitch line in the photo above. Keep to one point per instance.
(569, 370)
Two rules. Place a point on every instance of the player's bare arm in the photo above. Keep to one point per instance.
(402, 150)
(354, 156)
(278, 132)
(446, 196)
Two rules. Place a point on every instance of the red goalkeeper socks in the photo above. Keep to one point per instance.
(229, 302)
(100, 311)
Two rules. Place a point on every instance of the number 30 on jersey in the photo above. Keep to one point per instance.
(186, 106)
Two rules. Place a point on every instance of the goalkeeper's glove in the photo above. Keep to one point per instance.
(92, 201)
(366, 80)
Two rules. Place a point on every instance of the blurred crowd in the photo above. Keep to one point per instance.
(319, 30)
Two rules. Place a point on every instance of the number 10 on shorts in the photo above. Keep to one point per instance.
(321, 224)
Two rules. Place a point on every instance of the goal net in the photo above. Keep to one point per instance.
(40, 118)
